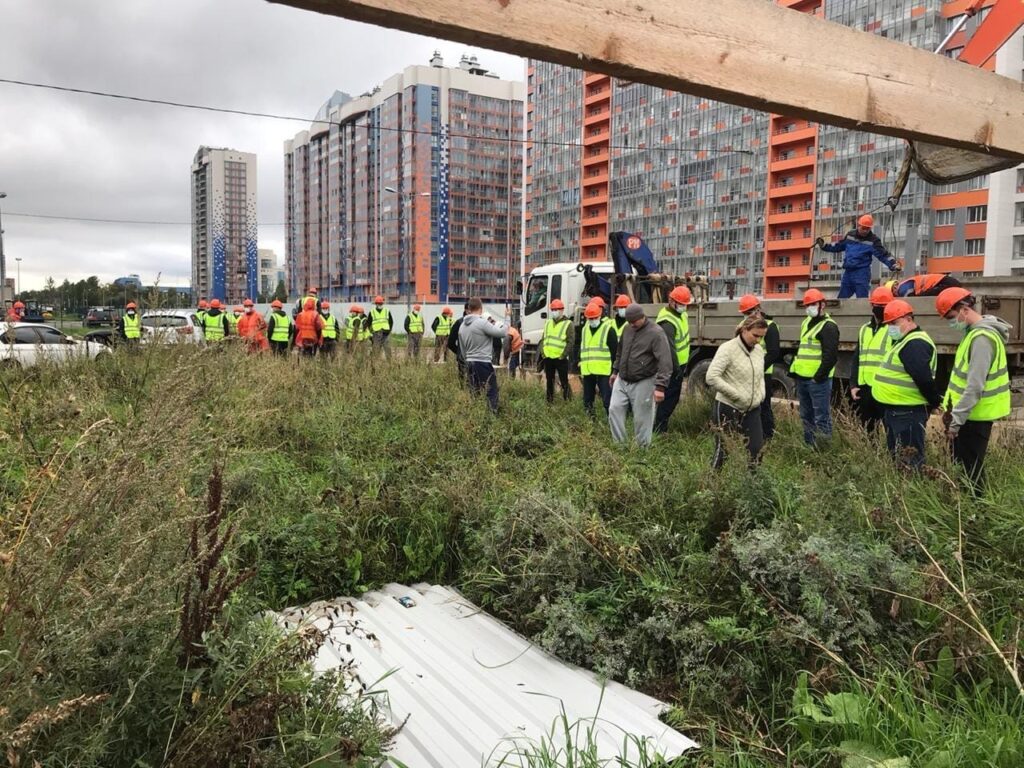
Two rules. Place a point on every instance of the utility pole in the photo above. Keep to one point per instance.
(3, 260)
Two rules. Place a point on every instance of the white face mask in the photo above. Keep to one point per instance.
(595, 323)
(248, 310)
(621, 312)
(812, 311)
(557, 314)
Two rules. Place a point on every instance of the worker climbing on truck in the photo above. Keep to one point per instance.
(923, 285)
(859, 246)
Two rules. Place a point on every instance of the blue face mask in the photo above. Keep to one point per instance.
(895, 333)
(958, 325)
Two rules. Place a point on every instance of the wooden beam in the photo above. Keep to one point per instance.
(746, 52)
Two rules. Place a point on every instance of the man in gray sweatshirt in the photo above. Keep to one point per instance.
(641, 371)
(476, 346)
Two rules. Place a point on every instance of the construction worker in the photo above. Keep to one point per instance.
(641, 371)
(414, 326)
(16, 314)
(924, 285)
(203, 308)
(453, 344)
(215, 322)
(858, 247)
(872, 343)
(301, 303)
(979, 385)
(442, 328)
(750, 306)
(621, 302)
(353, 327)
(129, 325)
(674, 323)
(814, 365)
(331, 330)
(234, 317)
(736, 376)
(514, 353)
(252, 328)
(904, 384)
(598, 345)
(309, 327)
(476, 345)
(381, 323)
(280, 328)
(555, 347)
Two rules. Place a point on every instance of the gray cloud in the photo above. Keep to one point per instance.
(78, 155)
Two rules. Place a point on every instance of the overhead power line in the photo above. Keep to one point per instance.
(418, 131)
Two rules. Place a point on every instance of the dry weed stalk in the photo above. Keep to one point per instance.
(22, 735)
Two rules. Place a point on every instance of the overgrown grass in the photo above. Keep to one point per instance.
(726, 594)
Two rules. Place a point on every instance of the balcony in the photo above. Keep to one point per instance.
(800, 160)
(790, 217)
(781, 190)
(596, 240)
(790, 243)
(791, 270)
(597, 137)
(597, 96)
(597, 157)
(595, 118)
(780, 138)
(594, 77)
(597, 178)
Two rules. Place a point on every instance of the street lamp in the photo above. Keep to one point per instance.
(17, 285)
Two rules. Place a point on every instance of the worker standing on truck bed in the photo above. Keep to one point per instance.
(858, 247)
(750, 306)
(640, 373)
(598, 344)
(814, 365)
(904, 385)
(872, 343)
(979, 386)
(674, 323)
(736, 375)
(555, 347)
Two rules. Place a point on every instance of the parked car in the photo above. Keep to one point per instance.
(167, 325)
(26, 344)
(97, 316)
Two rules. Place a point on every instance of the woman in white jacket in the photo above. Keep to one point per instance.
(737, 376)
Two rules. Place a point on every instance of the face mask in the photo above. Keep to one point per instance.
(131, 312)
(895, 333)
(557, 314)
(621, 313)
(812, 311)
(238, 314)
(595, 323)
(958, 325)
(248, 310)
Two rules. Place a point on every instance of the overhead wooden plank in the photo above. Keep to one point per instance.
(746, 52)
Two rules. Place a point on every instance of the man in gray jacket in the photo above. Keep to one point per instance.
(476, 346)
(641, 371)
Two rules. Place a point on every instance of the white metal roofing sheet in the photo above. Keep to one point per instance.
(470, 691)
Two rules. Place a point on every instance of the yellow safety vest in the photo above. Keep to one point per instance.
(619, 325)
(132, 327)
(444, 326)
(555, 335)
(281, 329)
(213, 327)
(994, 402)
(872, 348)
(415, 322)
(330, 328)
(808, 354)
(595, 357)
(681, 323)
(771, 368)
(350, 326)
(233, 323)
(892, 384)
(379, 319)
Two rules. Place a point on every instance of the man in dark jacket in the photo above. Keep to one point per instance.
(454, 346)
(814, 365)
(641, 372)
(859, 246)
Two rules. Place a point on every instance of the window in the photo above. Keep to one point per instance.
(943, 217)
(536, 294)
(1018, 214)
(1018, 248)
(1020, 179)
(981, 182)
(977, 213)
(52, 336)
(976, 246)
(943, 248)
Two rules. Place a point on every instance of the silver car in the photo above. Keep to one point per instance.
(26, 344)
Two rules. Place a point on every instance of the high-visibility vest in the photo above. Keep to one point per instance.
(808, 354)
(872, 348)
(351, 327)
(892, 384)
(555, 335)
(444, 326)
(132, 327)
(771, 368)
(330, 330)
(364, 328)
(213, 327)
(682, 332)
(595, 357)
(415, 322)
(282, 326)
(994, 402)
(233, 323)
(619, 325)
(379, 319)
(201, 314)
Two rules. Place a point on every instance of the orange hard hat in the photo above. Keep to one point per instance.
(557, 304)
(215, 304)
(949, 298)
(446, 311)
(813, 296)
(592, 312)
(378, 299)
(681, 295)
(276, 304)
(748, 302)
(599, 301)
(881, 296)
(357, 309)
(19, 305)
(867, 220)
(203, 304)
(247, 303)
(325, 304)
(312, 290)
(621, 301)
(896, 309)
(129, 305)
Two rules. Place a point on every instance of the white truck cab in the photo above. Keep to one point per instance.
(550, 282)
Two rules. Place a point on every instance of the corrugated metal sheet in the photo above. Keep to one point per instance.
(470, 690)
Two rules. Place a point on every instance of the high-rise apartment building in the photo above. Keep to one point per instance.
(740, 195)
(271, 272)
(224, 261)
(413, 190)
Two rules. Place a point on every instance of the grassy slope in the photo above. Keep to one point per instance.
(713, 591)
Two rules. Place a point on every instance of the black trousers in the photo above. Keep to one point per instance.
(561, 367)
(596, 384)
(869, 411)
(673, 392)
(747, 424)
(279, 347)
(767, 416)
(969, 449)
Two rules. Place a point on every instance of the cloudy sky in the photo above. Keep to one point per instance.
(84, 156)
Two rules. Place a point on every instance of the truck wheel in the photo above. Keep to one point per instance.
(696, 380)
(781, 385)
